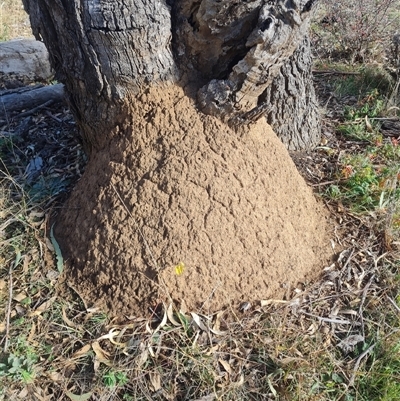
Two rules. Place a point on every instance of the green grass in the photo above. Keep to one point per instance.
(368, 169)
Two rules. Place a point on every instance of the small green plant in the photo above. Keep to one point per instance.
(365, 184)
(113, 378)
(368, 175)
(19, 368)
(370, 106)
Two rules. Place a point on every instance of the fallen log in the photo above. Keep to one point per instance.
(30, 99)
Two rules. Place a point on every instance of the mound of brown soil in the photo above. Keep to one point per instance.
(182, 188)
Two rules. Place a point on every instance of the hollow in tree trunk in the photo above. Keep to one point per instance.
(188, 194)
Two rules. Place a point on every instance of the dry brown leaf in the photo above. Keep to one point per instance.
(36, 214)
(27, 261)
(40, 397)
(101, 355)
(170, 314)
(209, 397)
(111, 335)
(217, 322)
(155, 381)
(240, 382)
(267, 302)
(56, 377)
(289, 359)
(67, 321)
(3, 284)
(198, 321)
(18, 297)
(368, 125)
(81, 352)
(144, 354)
(20, 310)
(218, 332)
(77, 397)
(49, 245)
(43, 307)
(212, 350)
(226, 366)
(162, 324)
(183, 308)
(23, 393)
(32, 334)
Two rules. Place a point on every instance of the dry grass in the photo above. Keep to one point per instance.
(14, 21)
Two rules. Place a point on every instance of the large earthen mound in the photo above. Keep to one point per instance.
(179, 187)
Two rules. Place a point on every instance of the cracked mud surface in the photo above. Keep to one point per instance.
(182, 187)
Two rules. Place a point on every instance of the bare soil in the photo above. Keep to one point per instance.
(180, 187)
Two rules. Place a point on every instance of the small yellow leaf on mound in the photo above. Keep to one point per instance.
(179, 268)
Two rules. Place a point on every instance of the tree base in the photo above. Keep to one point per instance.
(176, 187)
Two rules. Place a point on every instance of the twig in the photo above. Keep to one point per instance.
(347, 263)
(35, 109)
(363, 298)
(328, 320)
(378, 259)
(357, 364)
(8, 310)
(320, 184)
(393, 303)
(385, 118)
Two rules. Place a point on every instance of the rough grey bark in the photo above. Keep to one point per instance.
(103, 50)
(251, 65)
(294, 111)
(232, 50)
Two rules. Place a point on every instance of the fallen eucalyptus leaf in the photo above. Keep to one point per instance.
(170, 314)
(43, 307)
(101, 355)
(76, 397)
(59, 257)
(155, 380)
(197, 320)
(225, 365)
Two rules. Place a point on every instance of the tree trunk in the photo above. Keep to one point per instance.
(167, 185)
(294, 112)
(240, 50)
